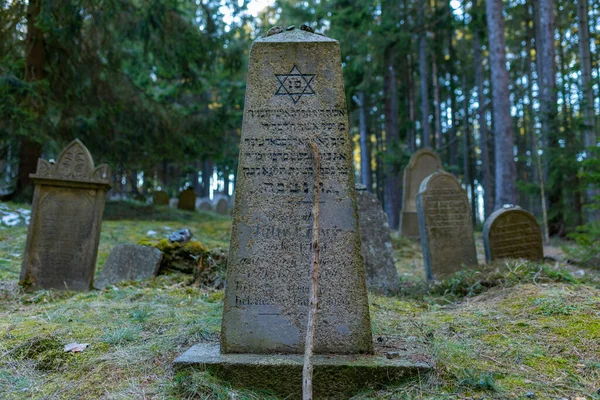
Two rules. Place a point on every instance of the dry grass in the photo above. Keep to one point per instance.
(510, 330)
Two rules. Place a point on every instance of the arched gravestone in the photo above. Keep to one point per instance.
(222, 206)
(422, 163)
(376, 244)
(66, 218)
(187, 200)
(512, 232)
(204, 204)
(445, 226)
(160, 198)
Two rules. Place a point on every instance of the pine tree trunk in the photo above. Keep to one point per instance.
(35, 61)
(426, 140)
(506, 191)
(589, 133)
(436, 101)
(452, 143)
(488, 191)
(365, 158)
(392, 181)
(412, 137)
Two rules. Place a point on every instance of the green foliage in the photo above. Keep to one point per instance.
(471, 282)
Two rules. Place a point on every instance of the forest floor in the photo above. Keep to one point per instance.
(510, 330)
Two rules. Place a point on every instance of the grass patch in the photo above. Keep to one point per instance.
(501, 332)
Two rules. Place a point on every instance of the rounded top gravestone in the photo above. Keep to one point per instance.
(512, 232)
(222, 206)
(160, 198)
(187, 200)
(423, 163)
(445, 226)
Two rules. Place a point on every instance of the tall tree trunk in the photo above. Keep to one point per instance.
(436, 101)
(506, 190)
(488, 191)
(589, 133)
(452, 144)
(35, 61)
(392, 136)
(412, 137)
(365, 159)
(207, 170)
(426, 140)
(548, 112)
(469, 181)
(589, 130)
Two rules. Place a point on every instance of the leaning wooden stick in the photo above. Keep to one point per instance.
(307, 371)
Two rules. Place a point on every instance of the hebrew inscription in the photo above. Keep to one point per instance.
(445, 226)
(512, 233)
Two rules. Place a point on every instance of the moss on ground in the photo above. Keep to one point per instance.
(509, 330)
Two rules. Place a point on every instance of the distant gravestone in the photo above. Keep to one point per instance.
(422, 164)
(187, 200)
(382, 276)
(204, 204)
(446, 229)
(512, 232)
(161, 198)
(68, 203)
(222, 206)
(129, 262)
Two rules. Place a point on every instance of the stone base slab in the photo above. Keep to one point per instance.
(334, 376)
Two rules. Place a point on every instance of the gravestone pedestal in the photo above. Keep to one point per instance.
(294, 100)
(334, 376)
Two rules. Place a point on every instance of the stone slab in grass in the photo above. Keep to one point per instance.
(129, 262)
(334, 376)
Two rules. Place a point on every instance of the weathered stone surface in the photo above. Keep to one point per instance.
(187, 200)
(445, 226)
(161, 198)
(180, 236)
(382, 276)
(204, 204)
(294, 97)
(422, 163)
(222, 207)
(334, 376)
(129, 262)
(68, 202)
(512, 232)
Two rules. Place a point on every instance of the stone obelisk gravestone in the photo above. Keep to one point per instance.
(68, 202)
(512, 232)
(422, 163)
(376, 244)
(295, 98)
(445, 226)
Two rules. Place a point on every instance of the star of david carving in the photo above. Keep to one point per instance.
(295, 84)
